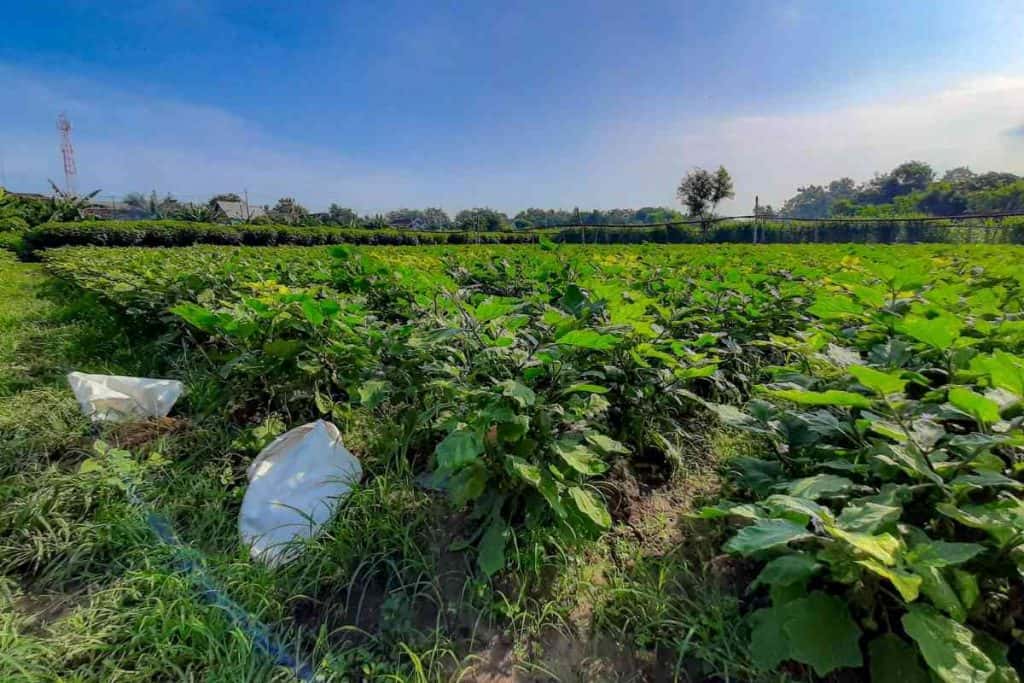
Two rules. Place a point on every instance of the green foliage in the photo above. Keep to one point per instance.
(897, 491)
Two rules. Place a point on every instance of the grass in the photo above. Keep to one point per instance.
(89, 593)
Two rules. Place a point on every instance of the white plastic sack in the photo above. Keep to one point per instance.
(295, 485)
(118, 399)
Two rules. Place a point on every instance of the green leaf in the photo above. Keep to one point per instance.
(882, 547)
(586, 389)
(525, 471)
(90, 465)
(491, 557)
(818, 486)
(769, 646)
(311, 309)
(947, 646)
(832, 397)
(982, 409)
(591, 506)
(943, 553)
(1004, 369)
(939, 591)
(787, 570)
(605, 444)
(197, 316)
(518, 392)
(458, 449)
(468, 484)
(867, 517)
(580, 458)
(907, 583)
(834, 307)
(882, 383)
(998, 653)
(589, 339)
(822, 633)
(939, 332)
(765, 534)
(894, 660)
(492, 308)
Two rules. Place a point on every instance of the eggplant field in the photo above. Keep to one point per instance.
(578, 463)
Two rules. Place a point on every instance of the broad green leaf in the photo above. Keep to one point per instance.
(822, 633)
(493, 308)
(90, 465)
(939, 332)
(197, 316)
(591, 506)
(998, 653)
(882, 383)
(586, 389)
(589, 339)
(518, 392)
(769, 645)
(834, 307)
(939, 591)
(467, 484)
(1005, 370)
(868, 517)
(947, 646)
(832, 397)
(1002, 519)
(605, 444)
(882, 547)
(982, 409)
(458, 449)
(818, 486)
(580, 458)
(787, 570)
(765, 534)
(799, 510)
(943, 553)
(894, 660)
(525, 471)
(907, 583)
(491, 557)
(311, 309)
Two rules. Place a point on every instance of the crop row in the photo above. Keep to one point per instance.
(885, 385)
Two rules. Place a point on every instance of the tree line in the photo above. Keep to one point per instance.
(910, 189)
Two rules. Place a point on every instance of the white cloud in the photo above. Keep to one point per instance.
(770, 155)
(129, 141)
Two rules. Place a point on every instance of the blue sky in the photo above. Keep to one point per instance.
(387, 104)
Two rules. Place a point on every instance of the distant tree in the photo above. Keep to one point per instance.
(436, 219)
(224, 197)
(957, 175)
(700, 191)
(135, 200)
(196, 213)
(942, 199)
(481, 220)
(764, 211)
(844, 208)
(289, 211)
(67, 206)
(376, 222)
(338, 215)
(908, 177)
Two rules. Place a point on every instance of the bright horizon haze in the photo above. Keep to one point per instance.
(377, 106)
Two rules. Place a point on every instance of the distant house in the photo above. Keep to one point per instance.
(405, 223)
(115, 211)
(237, 212)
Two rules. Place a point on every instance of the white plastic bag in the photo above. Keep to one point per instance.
(117, 399)
(295, 485)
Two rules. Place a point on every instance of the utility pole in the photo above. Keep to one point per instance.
(757, 215)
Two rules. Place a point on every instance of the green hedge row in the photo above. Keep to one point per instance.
(183, 233)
